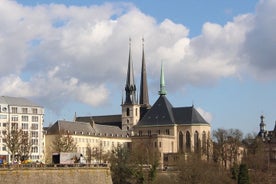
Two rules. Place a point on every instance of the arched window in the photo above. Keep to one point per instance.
(127, 111)
(180, 142)
(204, 142)
(188, 141)
(196, 141)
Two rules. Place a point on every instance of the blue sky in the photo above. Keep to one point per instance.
(71, 56)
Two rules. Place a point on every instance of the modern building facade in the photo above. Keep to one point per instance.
(21, 114)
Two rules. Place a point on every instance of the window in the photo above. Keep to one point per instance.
(34, 126)
(4, 124)
(140, 132)
(24, 110)
(14, 109)
(25, 126)
(149, 132)
(25, 118)
(4, 148)
(34, 141)
(34, 134)
(167, 131)
(188, 141)
(14, 118)
(34, 111)
(196, 141)
(159, 132)
(160, 144)
(127, 113)
(3, 116)
(34, 118)
(34, 149)
(14, 126)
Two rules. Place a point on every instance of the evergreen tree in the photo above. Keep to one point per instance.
(243, 177)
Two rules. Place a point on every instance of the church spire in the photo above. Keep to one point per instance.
(162, 82)
(144, 97)
(130, 87)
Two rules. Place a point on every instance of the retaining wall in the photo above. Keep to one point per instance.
(80, 175)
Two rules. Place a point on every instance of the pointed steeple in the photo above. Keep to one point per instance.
(130, 87)
(144, 97)
(162, 82)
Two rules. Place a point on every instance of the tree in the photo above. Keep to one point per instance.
(121, 168)
(226, 146)
(192, 170)
(64, 143)
(18, 143)
(25, 147)
(256, 159)
(88, 153)
(243, 177)
(12, 139)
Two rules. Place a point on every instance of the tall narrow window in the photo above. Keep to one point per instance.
(196, 141)
(204, 142)
(188, 141)
(127, 112)
(180, 142)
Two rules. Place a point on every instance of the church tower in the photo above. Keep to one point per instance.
(144, 97)
(130, 106)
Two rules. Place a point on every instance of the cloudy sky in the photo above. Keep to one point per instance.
(71, 56)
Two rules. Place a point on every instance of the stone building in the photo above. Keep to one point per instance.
(162, 127)
(100, 139)
(269, 138)
(171, 130)
(22, 114)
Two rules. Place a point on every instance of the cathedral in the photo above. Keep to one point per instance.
(161, 127)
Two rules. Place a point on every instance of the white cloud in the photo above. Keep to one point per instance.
(206, 115)
(57, 53)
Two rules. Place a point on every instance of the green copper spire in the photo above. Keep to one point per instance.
(162, 82)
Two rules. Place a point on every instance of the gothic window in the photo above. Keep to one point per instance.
(196, 141)
(180, 142)
(188, 141)
(204, 142)
(127, 111)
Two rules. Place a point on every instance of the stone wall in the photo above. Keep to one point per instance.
(66, 175)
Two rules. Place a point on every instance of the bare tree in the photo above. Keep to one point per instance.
(64, 143)
(12, 138)
(18, 143)
(25, 147)
(226, 146)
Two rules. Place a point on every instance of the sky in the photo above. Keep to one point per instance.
(70, 56)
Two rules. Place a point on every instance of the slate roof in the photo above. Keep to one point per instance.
(113, 120)
(85, 128)
(17, 101)
(163, 113)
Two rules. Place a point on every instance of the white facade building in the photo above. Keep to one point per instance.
(26, 116)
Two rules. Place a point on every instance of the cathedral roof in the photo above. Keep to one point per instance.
(163, 113)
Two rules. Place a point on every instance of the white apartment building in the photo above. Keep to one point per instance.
(23, 114)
